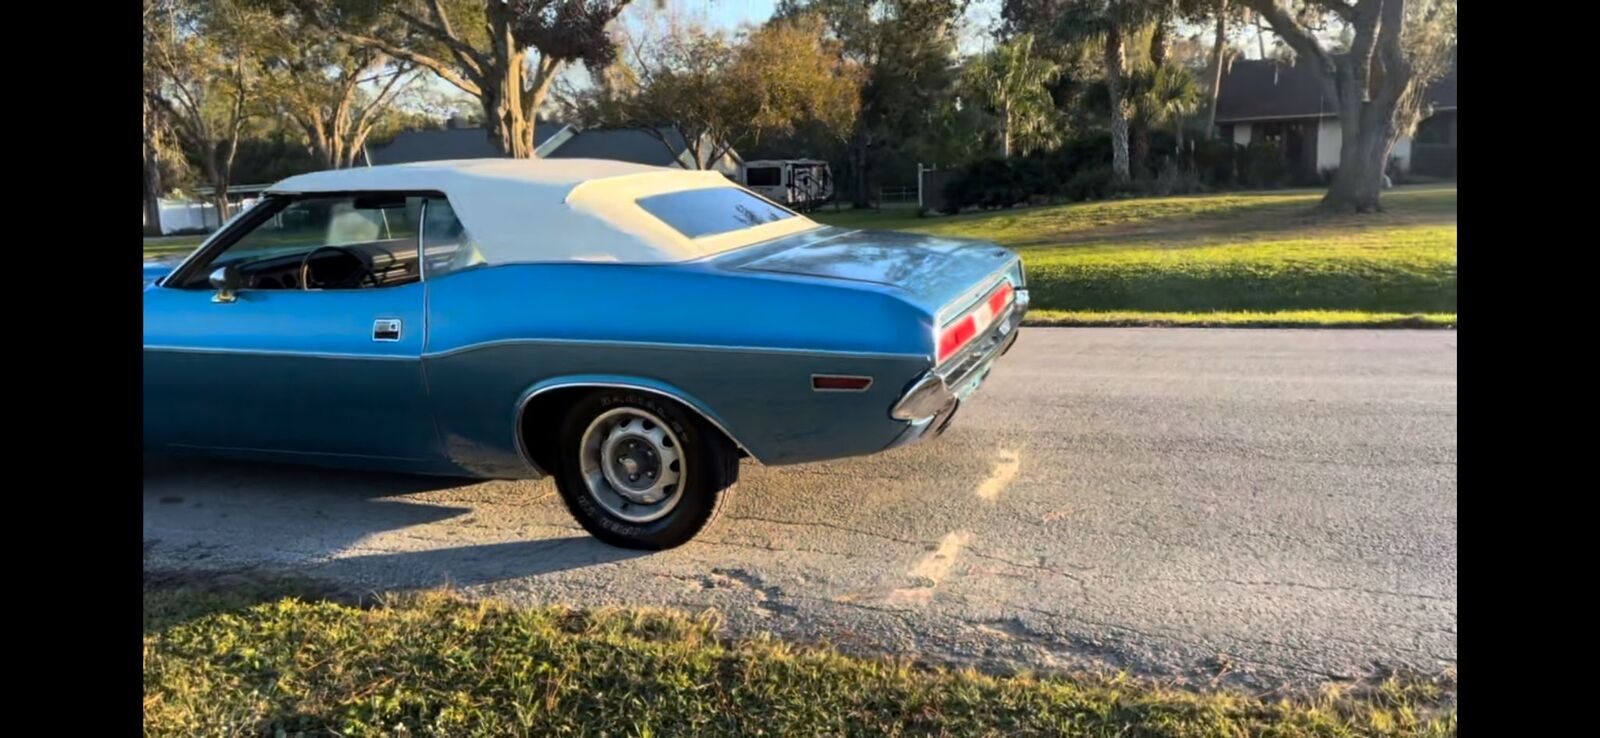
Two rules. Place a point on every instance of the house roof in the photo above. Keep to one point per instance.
(624, 144)
(527, 210)
(619, 144)
(444, 144)
(1267, 89)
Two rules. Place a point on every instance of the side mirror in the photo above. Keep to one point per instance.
(225, 280)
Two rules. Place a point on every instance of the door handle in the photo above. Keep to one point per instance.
(386, 329)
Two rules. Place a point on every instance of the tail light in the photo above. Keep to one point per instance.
(978, 320)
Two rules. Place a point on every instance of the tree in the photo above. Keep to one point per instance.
(1108, 23)
(1013, 80)
(1220, 14)
(1397, 48)
(154, 125)
(315, 78)
(481, 47)
(906, 51)
(202, 52)
(1173, 96)
(719, 95)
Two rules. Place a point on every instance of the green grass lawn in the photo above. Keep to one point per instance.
(1222, 259)
(170, 245)
(215, 664)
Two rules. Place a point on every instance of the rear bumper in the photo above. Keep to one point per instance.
(931, 402)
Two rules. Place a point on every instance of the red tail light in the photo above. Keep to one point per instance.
(968, 326)
(957, 336)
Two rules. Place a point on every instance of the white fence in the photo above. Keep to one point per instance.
(188, 215)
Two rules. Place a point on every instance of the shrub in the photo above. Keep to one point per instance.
(1263, 166)
(986, 183)
(1177, 179)
(1216, 162)
(1093, 183)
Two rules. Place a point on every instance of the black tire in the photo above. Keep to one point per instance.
(712, 471)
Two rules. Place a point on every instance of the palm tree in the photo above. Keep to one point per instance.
(1110, 22)
(1172, 96)
(1014, 81)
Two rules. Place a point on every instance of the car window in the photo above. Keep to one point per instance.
(448, 245)
(374, 235)
(713, 210)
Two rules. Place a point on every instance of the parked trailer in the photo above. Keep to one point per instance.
(801, 184)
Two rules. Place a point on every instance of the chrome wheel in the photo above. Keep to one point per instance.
(632, 464)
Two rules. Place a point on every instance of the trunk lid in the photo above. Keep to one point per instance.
(941, 275)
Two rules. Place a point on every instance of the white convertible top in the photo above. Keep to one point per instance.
(519, 210)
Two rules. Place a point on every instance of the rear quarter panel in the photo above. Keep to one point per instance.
(741, 348)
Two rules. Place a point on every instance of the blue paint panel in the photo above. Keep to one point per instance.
(497, 333)
(287, 371)
(690, 304)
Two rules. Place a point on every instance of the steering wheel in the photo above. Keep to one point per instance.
(362, 272)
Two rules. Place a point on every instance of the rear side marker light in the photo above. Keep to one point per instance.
(839, 383)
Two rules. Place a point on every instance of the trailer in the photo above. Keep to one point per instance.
(802, 184)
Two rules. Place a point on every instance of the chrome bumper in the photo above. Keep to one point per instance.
(939, 392)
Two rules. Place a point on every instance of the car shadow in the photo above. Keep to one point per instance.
(205, 514)
(470, 566)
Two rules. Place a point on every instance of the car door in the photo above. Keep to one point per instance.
(333, 370)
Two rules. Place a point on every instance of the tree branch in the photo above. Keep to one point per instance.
(1340, 8)
(468, 57)
(436, 66)
(379, 101)
(1301, 40)
(539, 85)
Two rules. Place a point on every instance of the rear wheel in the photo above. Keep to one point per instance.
(639, 471)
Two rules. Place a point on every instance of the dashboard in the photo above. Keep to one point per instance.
(389, 262)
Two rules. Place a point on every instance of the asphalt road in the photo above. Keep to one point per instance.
(1269, 508)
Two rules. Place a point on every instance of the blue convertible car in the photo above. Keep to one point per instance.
(632, 331)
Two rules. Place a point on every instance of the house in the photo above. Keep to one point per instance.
(663, 147)
(1265, 99)
(457, 140)
(554, 140)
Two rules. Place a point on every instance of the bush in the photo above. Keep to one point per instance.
(1263, 167)
(1216, 162)
(988, 184)
(1177, 179)
(1093, 183)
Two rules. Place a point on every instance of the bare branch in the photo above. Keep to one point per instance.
(1340, 8)
(468, 57)
(436, 66)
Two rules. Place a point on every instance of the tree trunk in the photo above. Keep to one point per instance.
(1359, 182)
(1005, 133)
(152, 170)
(509, 128)
(1216, 66)
(858, 168)
(1139, 141)
(1119, 118)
